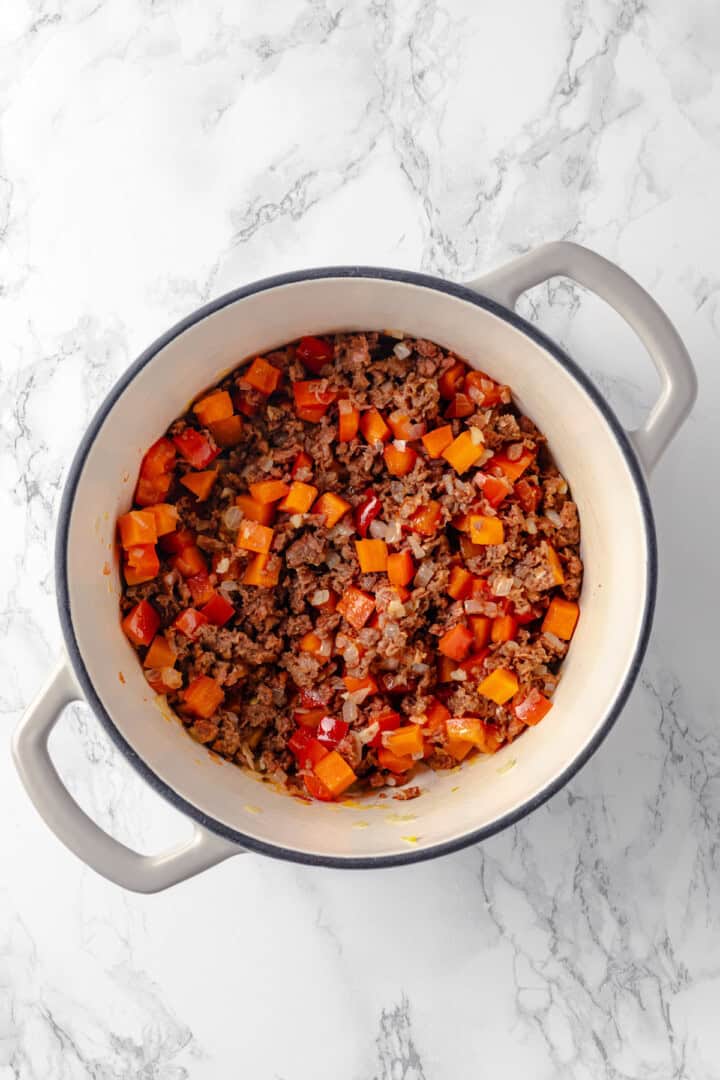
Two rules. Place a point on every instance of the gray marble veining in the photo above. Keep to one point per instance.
(153, 155)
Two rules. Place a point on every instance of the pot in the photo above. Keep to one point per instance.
(232, 811)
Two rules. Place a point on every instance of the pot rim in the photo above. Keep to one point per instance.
(277, 851)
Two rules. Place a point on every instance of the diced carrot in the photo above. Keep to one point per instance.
(512, 468)
(499, 686)
(269, 491)
(367, 683)
(200, 483)
(348, 421)
(435, 718)
(149, 491)
(200, 588)
(142, 623)
(481, 625)
(315, 645)
(504, 628)
(474, 665)
(228, 432)
(316, 789)
(469, 550)
(254, 537)
(471, 729)
(262, 376)
(399, 462)
(451, 379)
(263, 571)
(456, 642)
(254, 510)
(437, 441)
(203, 696)
(458, 748)
(313, 394)
(403, 594)
(332, 507)
(459, 583)
(299, 498)
(486, 530)
(400, 568)
(303, 463)
(393, 762)
(555, 565)
(335, 773)
(159, 460)
(373, 426)
(405, 741)
(137, 527)
(372, 556)
(160, 654)
(356, 606)
(189, 561)
(531, 707)
(404, 428)
(561, 618)
(214, 407)
(446, 666)
(460, 407)
(313, 414)
(465, 450)
(141, 564)
(427, 519)
(477, 383)
(166, 518)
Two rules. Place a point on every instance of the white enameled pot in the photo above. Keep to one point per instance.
(232, 811)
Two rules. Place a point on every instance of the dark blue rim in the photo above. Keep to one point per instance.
(427, 282)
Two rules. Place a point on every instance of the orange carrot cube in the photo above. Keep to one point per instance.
(137, 527)
(356, 606)
(499, 686)
(470, 729)
(531, 707)
(561, 618)
(203, 697)
(459, 583)
(437, 441)
(332, 507)
(348, 421)
(372, 556)
(299, 498)
(262, 376)
(200, 483)
(373, 426)
(335, 773)
(269, 491)
(513, 468)
(160, 654)
(254, 537)
(504, 628)
(256, 511)
(481, 628)
(555, 565)
(427, 519)
(166, 517)
(405, 741)
(455, 643)
(228, 432)
(399, 462)
(486, 530)
(214, 407)
(394, 762)
(400, 568)
(465, 450)
(262, 571)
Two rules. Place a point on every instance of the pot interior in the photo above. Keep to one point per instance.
(478, 795)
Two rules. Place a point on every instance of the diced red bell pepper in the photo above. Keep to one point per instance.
(529, 494)
(436, 717)
(316, 789)
(387, 721)
(248, 401)
(314, 353)
(426, 519)
(531, 707)
(483, 384)
(366, 512)
(306, 748)
(142, 623)
(494, 488)
(189, 561)
(159, 460)
(309, 718)
(218, 610)
(309, 698)
(200, 588)
(456, 642)
(175, 542)
(474, 666)
(196, 447)
(189, 622)
(330, 731)
(513, 468)
(262, 376)
(357, 606)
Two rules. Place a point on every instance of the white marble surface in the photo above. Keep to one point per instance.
(154, 153)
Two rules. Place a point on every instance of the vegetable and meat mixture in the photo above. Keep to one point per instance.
(352, 559)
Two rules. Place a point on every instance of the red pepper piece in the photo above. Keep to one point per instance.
(314, 353)
(175, 542)
(142, 623)
(189, 622)
(218, 610)
(528, 495)
(302, 461)
(306, 748)
(330, 731)
(196, 447)
(387, 721)
(366, 512)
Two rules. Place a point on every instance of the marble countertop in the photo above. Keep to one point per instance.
(152, 156)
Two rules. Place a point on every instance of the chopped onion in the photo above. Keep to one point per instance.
(530, 526)
(420, 668)
(320, 597)
(229, 586)
(458, 675)
(400, 334)
(502, 586)
(390, 663)
(171, 678)
(325, 648)
(554, 518)
(296, 520)
(486, 455)
(357, 696)
(514, 451)
(351, 655)
(232, 517)
(396, 609)
(223, 565)
(473, 607)
(333, 559)
(367, 734)
(393, 532)
(475, 394)
(417, 549)
(378, 530)
(400, 445)
(476, 436)
(562, 486)
(401, 351)
(553, 640)
(424, 574)
(392, 630)
(349, 712)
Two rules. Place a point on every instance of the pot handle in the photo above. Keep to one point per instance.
(54, 803)
(678, 383)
